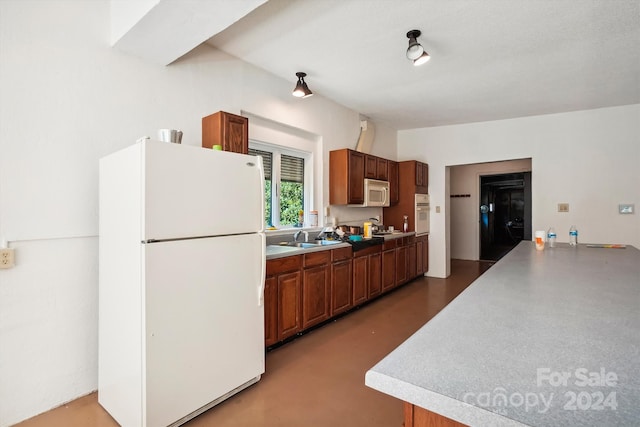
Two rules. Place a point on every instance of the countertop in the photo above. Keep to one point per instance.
(542, 338)
(276, 251)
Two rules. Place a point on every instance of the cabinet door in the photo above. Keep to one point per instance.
(270, 311)
(360, 279)
(235, 134)
(340, 287)
(356, 178)
(226, 129)
(401, 265)
(382, 172)
(425, 254)
(289, 288)
(419, 174)
(388, 269)
(419, 257)
(370, 167)
(394, 190)
(375, 275)
(412, 266)
(425, 175)
(315, 295)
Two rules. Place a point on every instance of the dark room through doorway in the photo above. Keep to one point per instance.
(505, 213)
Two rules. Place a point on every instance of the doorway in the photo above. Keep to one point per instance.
(505, 213)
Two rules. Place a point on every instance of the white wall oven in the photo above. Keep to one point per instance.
(422, 214)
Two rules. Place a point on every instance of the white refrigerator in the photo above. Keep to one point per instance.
(181, 280)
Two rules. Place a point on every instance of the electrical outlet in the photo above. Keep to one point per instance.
(6, 258)
(563, 207)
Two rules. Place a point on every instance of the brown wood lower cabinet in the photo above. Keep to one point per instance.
(270, 311)
(389, 264)
(341, 281)
(401, 265)
(366, 274)
(283, 287)
(289, 288)
(412, 267)
(302, 291)
(375, 275)
(415, 416)
(422, 254)
(340, 287)
(360, 279)
(316, 282)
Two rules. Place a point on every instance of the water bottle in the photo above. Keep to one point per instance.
(573, 236)
(551, 237)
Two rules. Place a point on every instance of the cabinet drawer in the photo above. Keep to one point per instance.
(317, 258)
(283, 265)
(340, 254)
(368, 251)
(390, 244)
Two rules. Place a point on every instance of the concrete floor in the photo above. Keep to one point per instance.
(317, 379)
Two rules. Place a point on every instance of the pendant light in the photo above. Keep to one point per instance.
(301, 90)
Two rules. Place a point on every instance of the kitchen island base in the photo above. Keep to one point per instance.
(415, 416)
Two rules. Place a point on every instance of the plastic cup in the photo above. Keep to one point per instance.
(539, 236)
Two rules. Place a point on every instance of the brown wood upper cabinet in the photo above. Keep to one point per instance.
(376, 168)
(349, 168)
(346, 177)
(228, 130)
(422, 177)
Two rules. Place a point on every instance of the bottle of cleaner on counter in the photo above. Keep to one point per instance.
(573, 236)
(551, 237)
(405, 225)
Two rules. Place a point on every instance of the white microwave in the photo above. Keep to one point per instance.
(376, 193)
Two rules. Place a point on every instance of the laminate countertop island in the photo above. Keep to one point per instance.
(543, 338)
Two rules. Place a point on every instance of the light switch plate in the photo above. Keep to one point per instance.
(626, 208)
(563, 207)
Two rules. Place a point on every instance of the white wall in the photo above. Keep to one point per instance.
(589, 159)
(68, 99)
(464, 212)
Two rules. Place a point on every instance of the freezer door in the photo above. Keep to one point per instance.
(192, 191)
(204, 322)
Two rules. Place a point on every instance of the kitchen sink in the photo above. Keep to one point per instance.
(313, 244)
(308, 245)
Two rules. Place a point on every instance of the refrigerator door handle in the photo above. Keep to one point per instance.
(262, 201)
(263, 272)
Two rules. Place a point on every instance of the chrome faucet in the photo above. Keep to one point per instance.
(306, 235)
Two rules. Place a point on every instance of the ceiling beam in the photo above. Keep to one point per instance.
(162, 31)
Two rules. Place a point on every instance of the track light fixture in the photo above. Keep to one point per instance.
(301, 90)
(415, 51)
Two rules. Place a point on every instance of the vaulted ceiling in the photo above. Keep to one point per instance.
(490, 59)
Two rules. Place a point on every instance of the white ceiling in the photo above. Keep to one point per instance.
(491, 59)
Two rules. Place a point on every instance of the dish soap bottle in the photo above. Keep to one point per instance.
(573, 236)
(405, 225)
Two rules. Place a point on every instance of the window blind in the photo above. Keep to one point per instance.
(267, 161)
(292, 169)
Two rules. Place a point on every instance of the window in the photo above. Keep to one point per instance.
(287, 183)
